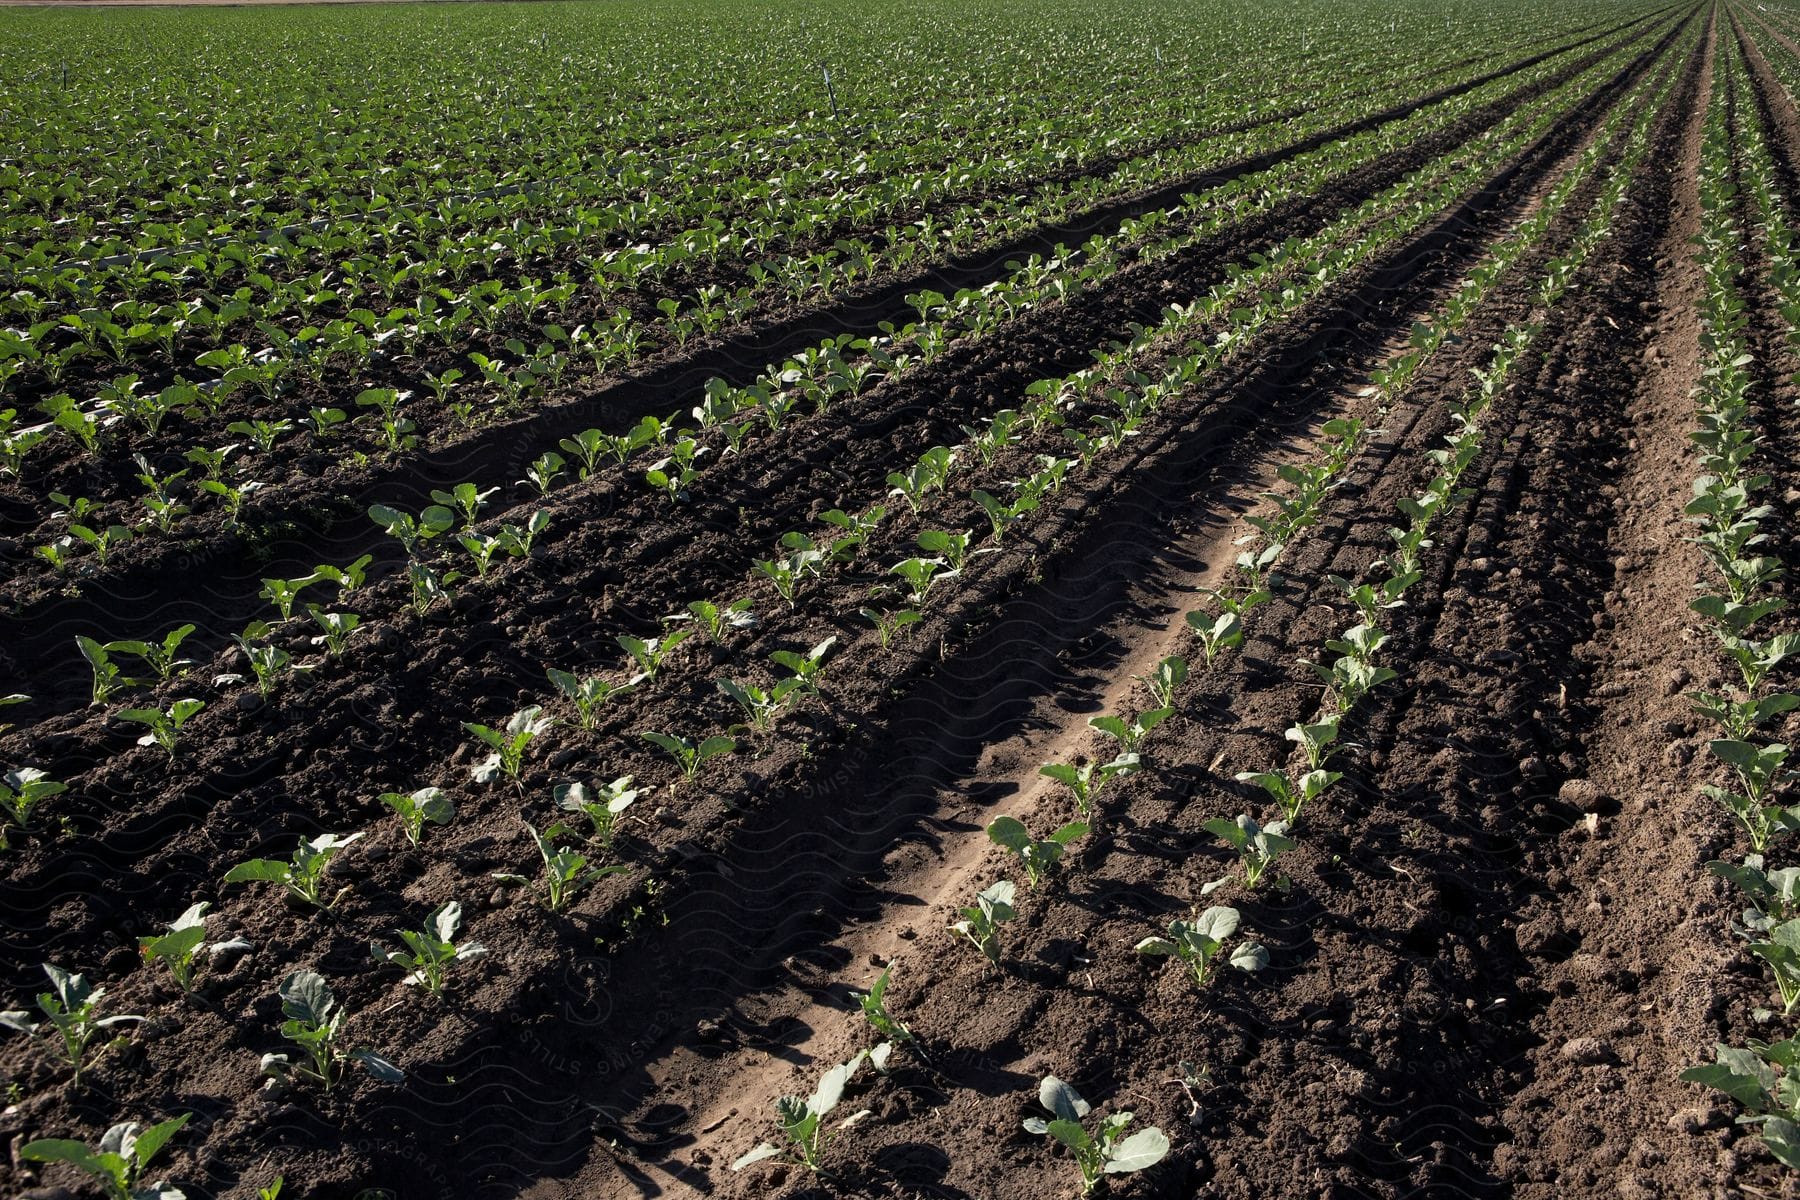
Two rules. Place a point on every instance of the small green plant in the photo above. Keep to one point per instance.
(1130, 735)
(650, 653)
(1199, 942)
(427, 805)
(1108, 1153)
(887, 624)
(466, 499)
(981, 921)
(688, 754)
(508, 744)
(178, 947)
(313, 1020)
(1170, 674)
(875, 1011)
(165, 727)
(304, 874)
(1781, 951)
(1257, 845)
(602, 809)
(803, 1121)
(1087, 780)
(283, 592)
(807, 667)
(336, 629)
(160, 657)
(23, 790)
(1039, 857)
(761, 705)
(719, 619)
(1292, 795)
(589, 693)
(431, 950)
(71, 1009)
(107, 676)
(1765, 1079)
(118, 1163)
(565, 872)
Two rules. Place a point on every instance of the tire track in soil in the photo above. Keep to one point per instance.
(232, 784)
(382, 1116)
(326, 523)
(811, 976)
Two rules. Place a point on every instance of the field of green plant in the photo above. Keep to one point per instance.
(1043, 598)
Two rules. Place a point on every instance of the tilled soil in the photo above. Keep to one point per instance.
(1496, 948)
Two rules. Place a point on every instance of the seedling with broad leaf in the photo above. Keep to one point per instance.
(165, 727)
(108, 678)
(1039, 857)
(602, 807)
(117, 1164)
(761, 705)
(72, 1018)
(807, 667)
(416, 809)
(1257, 846)
(688, 754)
(1130, 735)
(1781, 951)
(719, 619)
(1292, 795)
(160, 657)
(178, 947)
(23, 790)
(1108, 1152)
(650, 653)
(875, 1011)
(1170, 674)
(589, 693)
(430, 951)
(1199, 942)
(313, 1020)
(509, 743)
(888, 624)
(803, 1121)
(981, 921)
(565, 871)
(1765, 1079)
(1087, 780)
(303, 875)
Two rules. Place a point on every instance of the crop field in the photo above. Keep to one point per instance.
(739, 599)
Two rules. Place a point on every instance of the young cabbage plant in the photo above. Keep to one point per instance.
(875, 1012)
(719, 619)
(303, 875)
(313, 1020)
(267, 662)
(1782, 953)
(1765, 1079)
(761, 706)
(981, 921)
(1741, 718)
(953, 548)
(336, 629)
(23, 790)
(920, 574)
(1170, 674)
(413, 532)
(282, 593)
(430, 951)
(565, 872)
(688, 754)
(178, 947)
(1039, 857)
(650, 653)
(108, 678)
(160, 657)
(1291, 795)
(466, 500)
(1108, 1152)
(1257, 845)
(803, 1121)
(1199, 942)
(508, 744)
(601, 807)
(807, 667)
(1760, 769)
(72, 1018)
(1130, 736)
(1087, 780)
(517, 540)
(165, 727)
(590, 693)
(416, 809)
(888, 624)
(118, 1163)
(347, 578)
(1315, 740)
(1774, 895)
